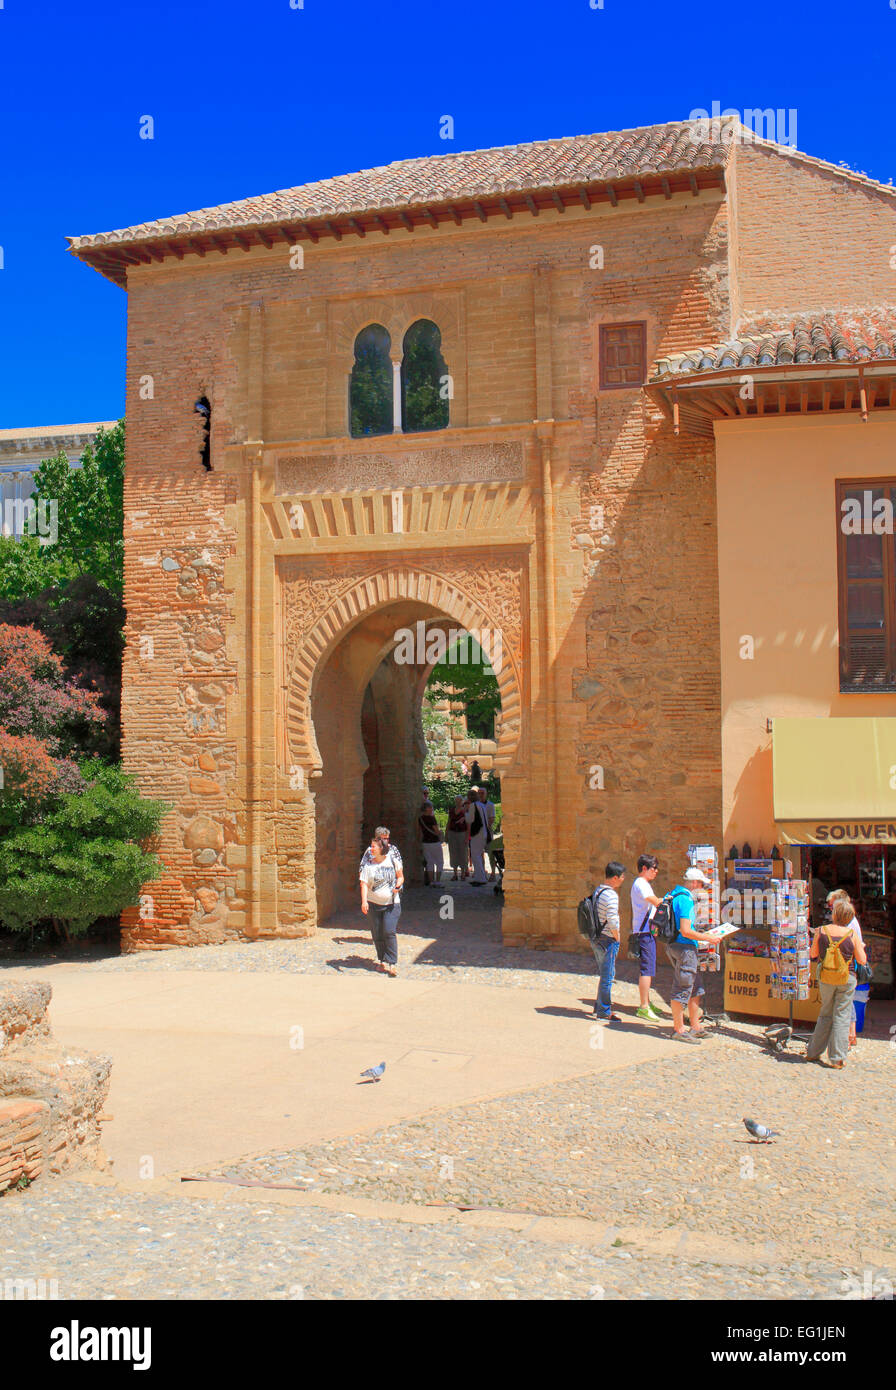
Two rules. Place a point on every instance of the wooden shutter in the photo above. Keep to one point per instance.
(866, 574)
(623, 355)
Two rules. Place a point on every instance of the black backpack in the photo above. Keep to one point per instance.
(663, 921)
(586, 916)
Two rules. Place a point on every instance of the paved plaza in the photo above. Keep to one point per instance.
(513, 1149)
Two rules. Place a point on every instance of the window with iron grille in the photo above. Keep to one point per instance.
(623, 355)
(866, 574)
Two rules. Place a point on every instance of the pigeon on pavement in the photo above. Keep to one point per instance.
(759, 1132)
(374, 1073)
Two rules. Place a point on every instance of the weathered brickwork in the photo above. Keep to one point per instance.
(808, 237)
(50, 1100)
(569, 516)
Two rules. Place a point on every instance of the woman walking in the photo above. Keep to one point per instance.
(431, 839)
(458, 853)
(837, 947)
(381, 883)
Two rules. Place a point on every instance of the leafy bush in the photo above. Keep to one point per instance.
(86, 859)
(31, 780)
(443, 790)
(83, 622)
(35, 697)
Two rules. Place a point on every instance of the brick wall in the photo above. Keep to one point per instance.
(631, 684)
(271, 348)
(809, 238)
(22, 1136)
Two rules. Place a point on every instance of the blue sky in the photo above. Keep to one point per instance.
(247, 98)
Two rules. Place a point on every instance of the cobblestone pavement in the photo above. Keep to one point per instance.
(100, 1243)
(467, 948)
(636, 1183)
(639, 1185)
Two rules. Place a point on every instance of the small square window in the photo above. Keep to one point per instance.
(623, 355)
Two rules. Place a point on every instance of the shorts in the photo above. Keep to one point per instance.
(647, 952)
(433, 858)
(686, 982)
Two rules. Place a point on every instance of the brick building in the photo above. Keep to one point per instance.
(564, 504)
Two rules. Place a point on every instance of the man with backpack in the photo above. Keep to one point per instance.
(681, 939)
(605, 938)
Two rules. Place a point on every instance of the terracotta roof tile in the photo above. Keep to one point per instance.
(442, 178)
(843, 335)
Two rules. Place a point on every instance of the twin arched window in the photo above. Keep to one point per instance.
(414, 397)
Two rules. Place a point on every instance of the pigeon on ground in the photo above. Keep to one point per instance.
(375, 1072)
(759, 1132)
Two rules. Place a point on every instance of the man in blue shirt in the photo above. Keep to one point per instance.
(686, 984)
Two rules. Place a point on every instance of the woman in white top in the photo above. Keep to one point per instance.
(381, 882)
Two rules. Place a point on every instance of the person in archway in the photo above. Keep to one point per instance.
(458, 851)
(381, 885)
(489, 811)
(479, 832)
(431, 840)
(382, 833)
(475, 775)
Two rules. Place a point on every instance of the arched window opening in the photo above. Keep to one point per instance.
(425, 383)
(203, 408)
(370, 388)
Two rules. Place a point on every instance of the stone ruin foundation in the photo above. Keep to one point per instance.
(50, 1096)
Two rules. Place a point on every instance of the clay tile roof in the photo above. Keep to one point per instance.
(830, 336)
(543, 164)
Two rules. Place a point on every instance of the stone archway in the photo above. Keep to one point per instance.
(320, 606)
(338, 629)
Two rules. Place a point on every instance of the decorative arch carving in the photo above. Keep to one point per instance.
(320, 608)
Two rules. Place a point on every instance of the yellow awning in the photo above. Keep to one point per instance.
(835, 780)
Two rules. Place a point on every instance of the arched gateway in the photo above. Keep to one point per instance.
(346, 665)
(423, 402)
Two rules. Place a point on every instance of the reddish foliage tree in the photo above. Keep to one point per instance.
(35, 698)
(42, 719)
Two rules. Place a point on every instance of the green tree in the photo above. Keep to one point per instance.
(439, 727)
(87, 859)
(473, 681)
(90, 502)
(89, 540)
(27, 568)
(370, 390)
(423, 372)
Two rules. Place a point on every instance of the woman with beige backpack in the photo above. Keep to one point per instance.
(838, 947)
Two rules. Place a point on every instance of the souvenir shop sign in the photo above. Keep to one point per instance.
(838, 832)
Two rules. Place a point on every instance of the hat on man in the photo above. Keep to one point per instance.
(696, 876)
(474, 789)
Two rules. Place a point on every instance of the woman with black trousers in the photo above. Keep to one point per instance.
(381, 883)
